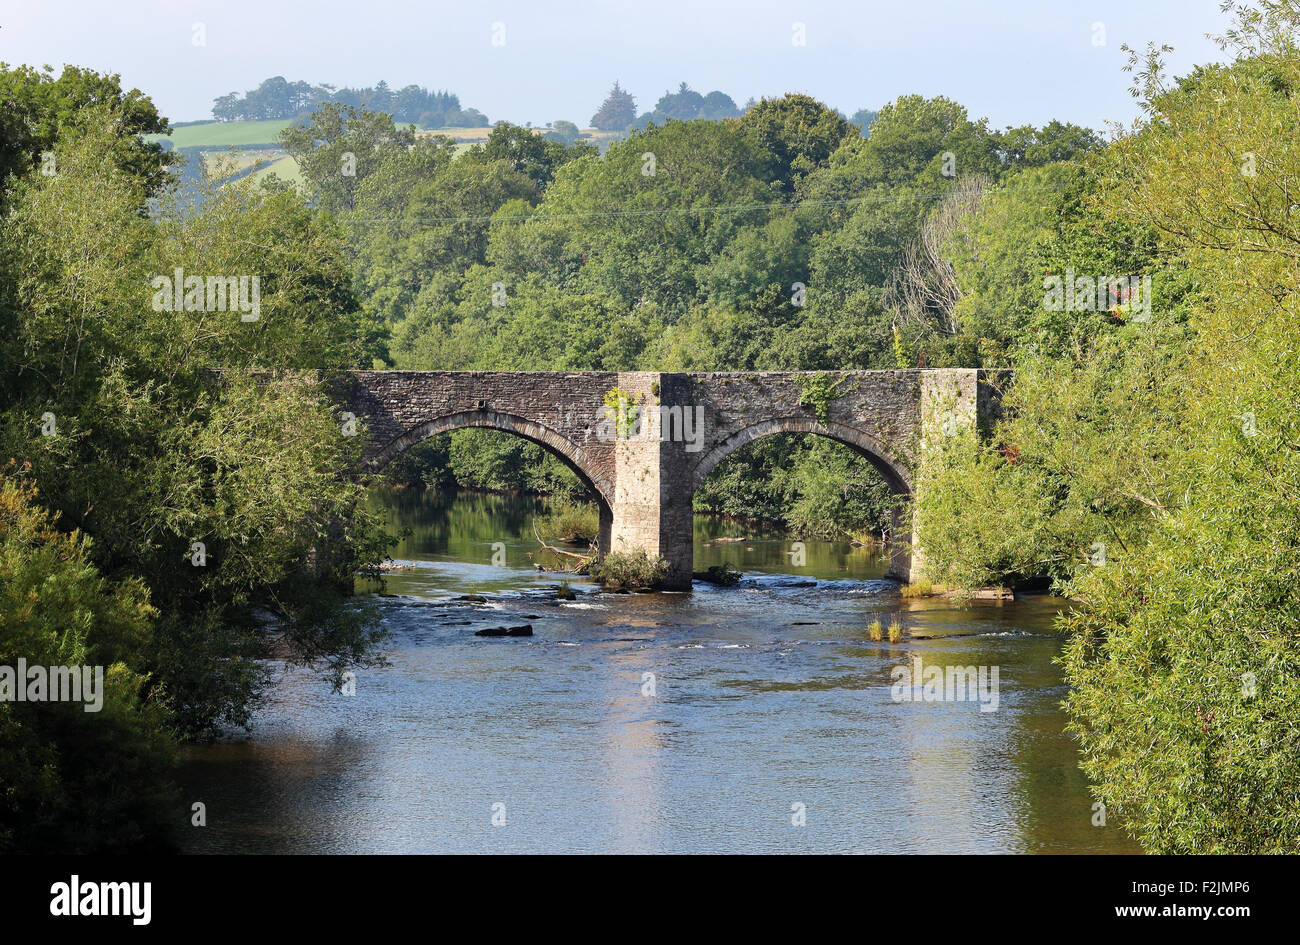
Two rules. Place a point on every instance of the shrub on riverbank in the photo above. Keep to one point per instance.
(71, 780)
(633, 570)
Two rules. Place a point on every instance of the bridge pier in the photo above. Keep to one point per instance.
(955, 405)
(653, 494)
(606, 532)
(900, 547)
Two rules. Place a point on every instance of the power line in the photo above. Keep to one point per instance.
(664, 211)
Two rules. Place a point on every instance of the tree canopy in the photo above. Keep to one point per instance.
(616, 112)
(277, 97)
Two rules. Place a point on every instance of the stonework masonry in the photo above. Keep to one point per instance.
(644, 473)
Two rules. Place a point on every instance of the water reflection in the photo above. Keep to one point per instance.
(766, 696)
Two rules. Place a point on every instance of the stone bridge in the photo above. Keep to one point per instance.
(643, 441)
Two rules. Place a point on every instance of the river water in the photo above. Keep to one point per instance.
(759, 718)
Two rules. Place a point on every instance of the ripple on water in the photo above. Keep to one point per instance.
(747, 717)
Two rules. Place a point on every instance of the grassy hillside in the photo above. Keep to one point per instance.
(239, 144)
(285, 168)
(224, 134)
(236, 159)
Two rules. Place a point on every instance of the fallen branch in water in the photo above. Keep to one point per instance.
(583, 559)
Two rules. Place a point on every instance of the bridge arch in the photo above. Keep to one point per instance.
(564, 449)
(891, 470)
(895, 473)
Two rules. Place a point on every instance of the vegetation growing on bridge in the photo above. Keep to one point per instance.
(818, 391)
(623, 410)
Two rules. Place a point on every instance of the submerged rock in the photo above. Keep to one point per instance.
(524, 630)
(723, 575)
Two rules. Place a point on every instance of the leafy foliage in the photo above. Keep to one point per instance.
(73, 781)
(36, 107)
(616, 112)
(813, 486)
(629, 570)
(686, 104)
(818, 390)
(571, 522)
(1168, 446)
(149, 453)
(340, 147)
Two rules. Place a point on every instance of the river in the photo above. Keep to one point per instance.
(759, 718)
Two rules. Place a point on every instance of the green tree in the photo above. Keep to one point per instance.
(564, 132)
(1028, 146)
(73, 781)
(616, 112)
(417, 229)
(799, 133)
(530, 154)
(149, 454)
(686, 104)
(35, 107)
(340, 146)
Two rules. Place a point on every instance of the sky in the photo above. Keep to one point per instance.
(1014, 62)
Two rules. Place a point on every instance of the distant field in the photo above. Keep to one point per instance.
(257, 141)
(239, 160)
(481, 134)
(286, 168)
(224, 134)
(466, 138)
(457, 134)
